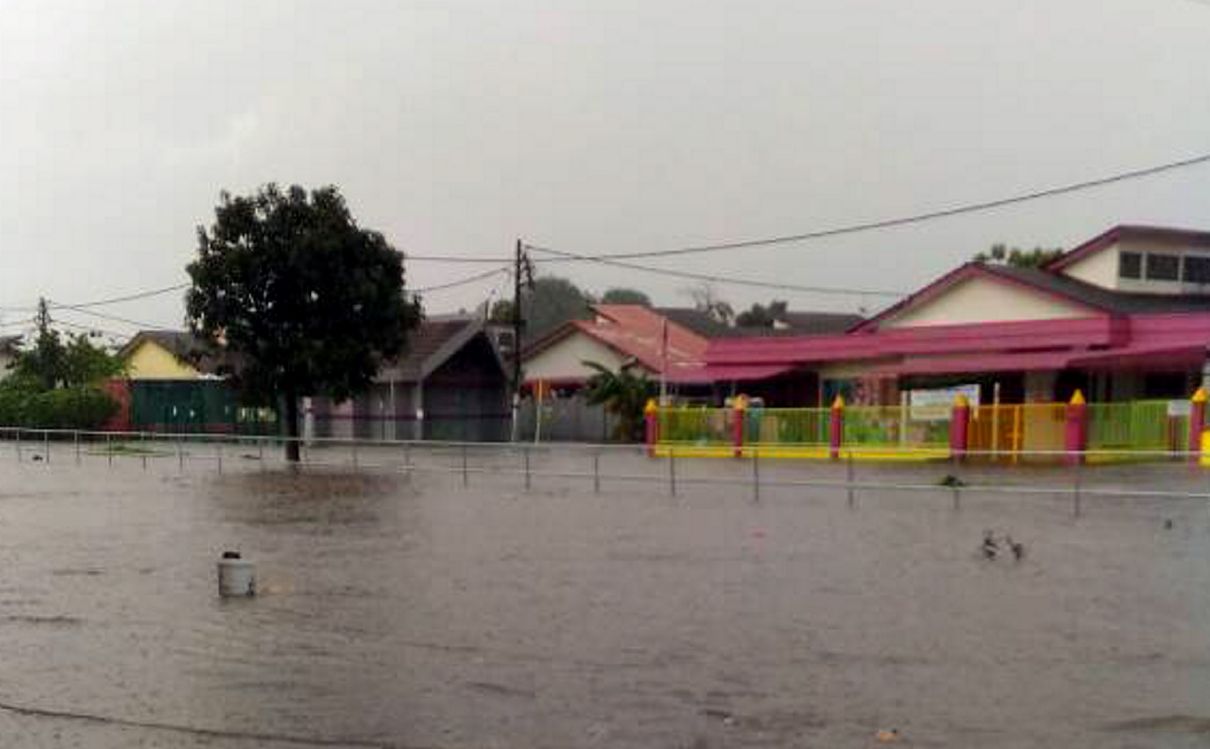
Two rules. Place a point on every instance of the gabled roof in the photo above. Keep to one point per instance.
(633, 331)
(1127, 231)
(204, 356)
(433, 343)
(1095, 299)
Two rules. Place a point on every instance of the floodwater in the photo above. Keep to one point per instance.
(417, 612)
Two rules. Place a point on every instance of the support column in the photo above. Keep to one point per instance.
(739, 415)
(836, 428)
(960, 420)
(651, 419)
(1197, 424)
(1076, 433)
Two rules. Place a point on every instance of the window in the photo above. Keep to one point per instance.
(1130, 265)
(1161, 267)
(1197, 269)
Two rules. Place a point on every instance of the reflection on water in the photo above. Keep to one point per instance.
(417, 613)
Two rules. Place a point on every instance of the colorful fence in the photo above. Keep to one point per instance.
(1005, 432)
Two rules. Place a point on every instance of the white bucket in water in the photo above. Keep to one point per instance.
(236, 576)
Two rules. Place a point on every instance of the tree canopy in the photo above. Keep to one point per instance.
(623, 394)
(53, 363)
(621, 295)
(549, 303)
(760, 316)
(706, 299)
(309, 302)
(1017, 257)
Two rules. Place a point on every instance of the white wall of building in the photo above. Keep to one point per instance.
(564, 360)
(984, 300)
(1098, 269)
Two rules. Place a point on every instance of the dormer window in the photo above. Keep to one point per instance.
(1130, 265)
(1163, 267)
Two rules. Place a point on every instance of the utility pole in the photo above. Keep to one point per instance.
(518, 323)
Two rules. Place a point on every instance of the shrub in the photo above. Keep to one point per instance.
(80, 407)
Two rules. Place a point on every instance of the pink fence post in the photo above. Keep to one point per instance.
(836, 428)
(651, 417)
(1075, 436)
(960, 421)
(737, 425)
(1197, 424)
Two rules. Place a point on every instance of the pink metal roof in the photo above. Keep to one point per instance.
(967, 363)
(636, 331)
(1039, 344)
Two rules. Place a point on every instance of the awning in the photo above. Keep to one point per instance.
(728, 373)
(1151, 355)
(978, 363)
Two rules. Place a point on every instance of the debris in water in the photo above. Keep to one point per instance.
(1017, 548)
(887, 735)
(989, 547)
(951, 481)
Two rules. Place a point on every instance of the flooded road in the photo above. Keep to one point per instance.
(419, 613)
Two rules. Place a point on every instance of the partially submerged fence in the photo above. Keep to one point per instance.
(595, 468)
(1000, 432)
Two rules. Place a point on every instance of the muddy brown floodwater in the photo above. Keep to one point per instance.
(419, 613)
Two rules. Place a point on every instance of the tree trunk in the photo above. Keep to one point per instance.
(292, 444)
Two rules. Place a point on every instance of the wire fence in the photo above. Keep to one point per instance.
(1177, 474)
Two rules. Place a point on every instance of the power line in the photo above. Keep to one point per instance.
(454, 259)
(106, 316)
(913, 219)
(718, 279)
(460, 282)
(128, 297)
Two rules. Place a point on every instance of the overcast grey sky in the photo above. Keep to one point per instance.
(455, 127)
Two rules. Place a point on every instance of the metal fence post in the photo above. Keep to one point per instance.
(46, 445)
(143, 448)
(76, 438)
(596, 473)
(180, 454)
(672, 471)
(525, 458)
(109, 448)
(218, 451)
(18, 444)
(260, 452)
(1076, 489)
(355, 464)
(407, 460)
(465, 477)
(755, 474)
(849, 477)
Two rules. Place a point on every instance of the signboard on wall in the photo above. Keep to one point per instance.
(1180, 408)
(936, 404)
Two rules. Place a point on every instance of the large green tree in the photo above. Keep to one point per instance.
(308, 302)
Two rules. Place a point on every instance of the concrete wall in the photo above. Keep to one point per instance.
(564, 359)
(1098, 269)
(984, 300)
(151, 361)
